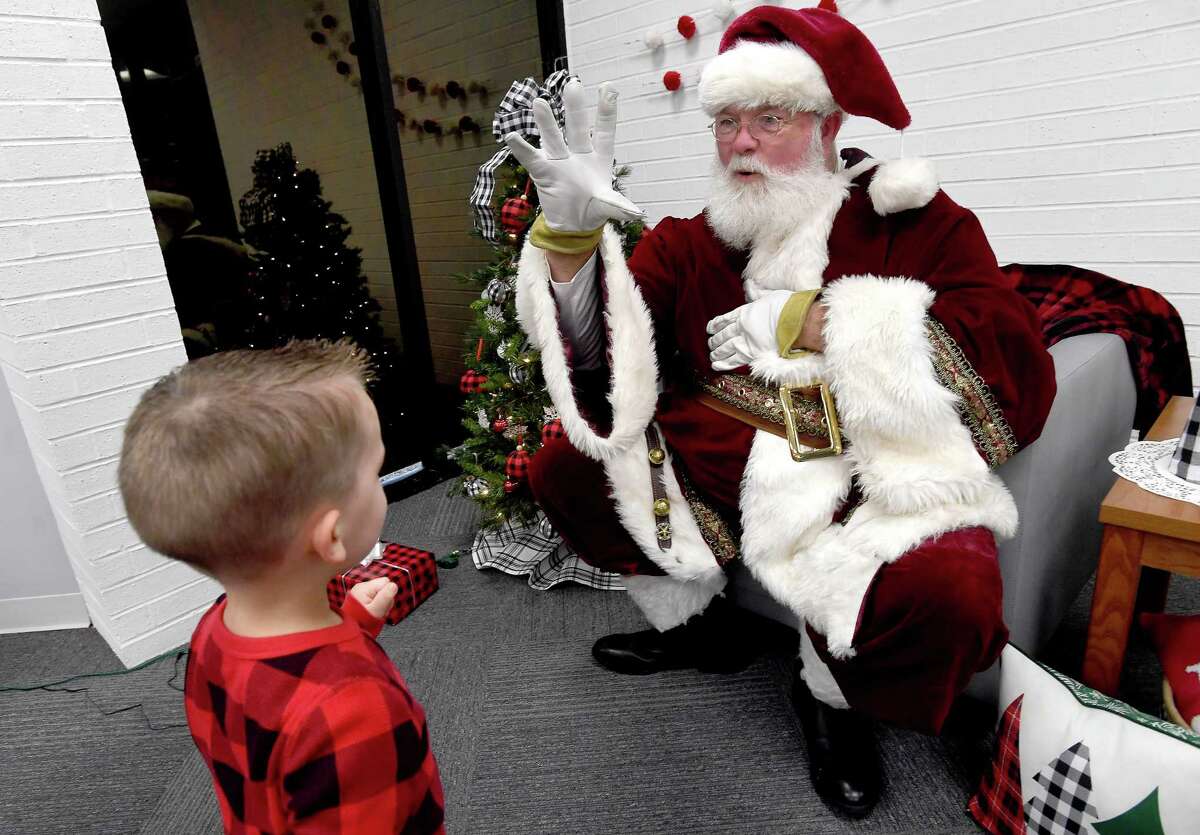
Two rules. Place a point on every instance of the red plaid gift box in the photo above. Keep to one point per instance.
(412, 570)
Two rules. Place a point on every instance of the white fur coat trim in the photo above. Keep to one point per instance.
(694, 574)
(689, 557)
(909, 445)
(634, 370)
(916, 463)
(668, 602)
(818, 676)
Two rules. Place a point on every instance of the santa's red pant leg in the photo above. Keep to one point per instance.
(573, 491)
(930, 620)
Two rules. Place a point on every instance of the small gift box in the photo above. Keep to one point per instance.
(412, 570)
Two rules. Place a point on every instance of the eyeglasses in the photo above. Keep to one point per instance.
(762, 126)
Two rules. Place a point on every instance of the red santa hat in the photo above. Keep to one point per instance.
(801, 59)
(815, 60)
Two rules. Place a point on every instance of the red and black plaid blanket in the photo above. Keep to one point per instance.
(1072, 301)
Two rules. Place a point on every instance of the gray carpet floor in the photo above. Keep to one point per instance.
(530, 735)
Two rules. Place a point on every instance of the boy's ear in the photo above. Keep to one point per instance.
(326, 539)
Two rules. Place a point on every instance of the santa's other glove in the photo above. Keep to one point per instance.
(574, 175)
(748, 332)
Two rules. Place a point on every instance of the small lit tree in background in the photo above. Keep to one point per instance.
(305, 281)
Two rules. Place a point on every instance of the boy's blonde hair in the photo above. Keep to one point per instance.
(224, 456)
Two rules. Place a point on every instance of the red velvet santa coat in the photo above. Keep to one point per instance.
(937, 367)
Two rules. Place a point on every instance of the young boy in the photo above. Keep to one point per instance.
(261, 468)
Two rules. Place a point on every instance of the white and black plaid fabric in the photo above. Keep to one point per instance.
(1186, 462)
(539, 553)
(1066, 791)
(512, 116)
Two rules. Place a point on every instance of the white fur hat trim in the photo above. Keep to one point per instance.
(754, 74)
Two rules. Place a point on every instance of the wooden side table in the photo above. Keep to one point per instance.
(1147, 537)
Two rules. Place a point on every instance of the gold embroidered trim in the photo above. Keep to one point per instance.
(976, 404)
(717, 533)
(762, 400)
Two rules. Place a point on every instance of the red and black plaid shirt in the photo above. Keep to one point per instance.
(310, 732)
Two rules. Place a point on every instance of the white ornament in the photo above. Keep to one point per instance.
(495, 317)
(652, 39)
(723, 9)
(550, 413)
(482, 417)
(519, 373)
(497, 291)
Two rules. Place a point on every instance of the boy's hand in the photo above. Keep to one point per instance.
(376, 596)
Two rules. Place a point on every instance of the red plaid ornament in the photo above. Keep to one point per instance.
(412, 570)
(471, 382)
(997, 806)
(516, 214)
(551, 430)
(517, 465)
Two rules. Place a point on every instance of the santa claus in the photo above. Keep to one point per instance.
(817, 375)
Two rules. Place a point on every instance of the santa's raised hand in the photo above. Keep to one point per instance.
(574, 175)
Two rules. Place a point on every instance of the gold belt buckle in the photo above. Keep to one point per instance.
(830, 418)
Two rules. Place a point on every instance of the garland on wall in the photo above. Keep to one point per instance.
(685, 29)
(323, 31)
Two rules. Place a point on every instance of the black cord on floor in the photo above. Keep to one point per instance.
(23, 688)
(53, 687)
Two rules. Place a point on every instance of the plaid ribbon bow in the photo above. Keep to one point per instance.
(1186, 462)
(512, 116)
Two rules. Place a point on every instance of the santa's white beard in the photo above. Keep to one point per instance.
(765, 211)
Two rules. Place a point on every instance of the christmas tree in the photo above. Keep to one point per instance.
(305, 281)
(508, 413)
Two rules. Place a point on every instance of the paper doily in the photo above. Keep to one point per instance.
(1148, 465)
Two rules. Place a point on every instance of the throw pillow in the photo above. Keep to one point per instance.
(1071, 760)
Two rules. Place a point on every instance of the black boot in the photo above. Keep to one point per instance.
(715, 641)
(842, 757)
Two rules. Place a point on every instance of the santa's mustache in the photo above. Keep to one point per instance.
(746, 164)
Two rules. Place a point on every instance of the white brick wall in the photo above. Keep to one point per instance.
(268, 84)
(1072, 127)
(86, 316)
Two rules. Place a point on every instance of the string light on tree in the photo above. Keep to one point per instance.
(306, 281)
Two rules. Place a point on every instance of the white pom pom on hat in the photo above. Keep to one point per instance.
(902, 184)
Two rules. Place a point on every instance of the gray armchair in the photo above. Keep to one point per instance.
(1058, 483)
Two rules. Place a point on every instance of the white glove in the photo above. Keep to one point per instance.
(746, 332)
(574, 177)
